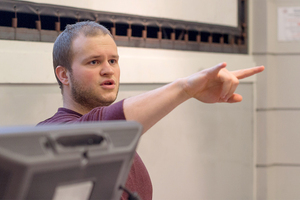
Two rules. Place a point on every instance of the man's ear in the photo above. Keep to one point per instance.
(62, 74)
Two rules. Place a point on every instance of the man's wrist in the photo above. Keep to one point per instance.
(181, 84)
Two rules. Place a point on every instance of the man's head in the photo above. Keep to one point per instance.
(62, 50)
(86, 66)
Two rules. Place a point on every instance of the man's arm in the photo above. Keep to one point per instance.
(211, 85)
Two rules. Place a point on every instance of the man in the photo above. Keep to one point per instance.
(86, 66)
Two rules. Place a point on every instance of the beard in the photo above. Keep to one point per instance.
(87, 97)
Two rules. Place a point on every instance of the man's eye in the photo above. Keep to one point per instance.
(94, 62)
(112, 61)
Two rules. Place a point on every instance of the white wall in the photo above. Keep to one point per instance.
(151, 65)
(200, 151)
(196, 146)
(212, 11)
(278, 172)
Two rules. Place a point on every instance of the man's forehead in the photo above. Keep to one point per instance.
(103, 39)
(82, 36)
(84, 45)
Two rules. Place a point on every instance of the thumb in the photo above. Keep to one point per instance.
(215, 70)
(235, 98)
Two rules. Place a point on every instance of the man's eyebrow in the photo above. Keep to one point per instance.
(95, 56)
(92, 57)
(100, 57)
(115, 56)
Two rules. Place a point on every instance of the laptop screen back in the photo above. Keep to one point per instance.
(75, 161)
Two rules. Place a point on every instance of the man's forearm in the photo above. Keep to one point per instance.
(212, 85)
(148, 108)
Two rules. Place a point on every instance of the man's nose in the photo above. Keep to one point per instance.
(106, 69)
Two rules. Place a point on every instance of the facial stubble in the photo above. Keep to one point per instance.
(88, 98)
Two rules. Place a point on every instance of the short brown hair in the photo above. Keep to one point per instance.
(62, 49)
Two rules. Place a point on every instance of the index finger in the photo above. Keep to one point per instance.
(244, 73)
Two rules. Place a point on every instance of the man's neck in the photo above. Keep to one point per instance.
(79, 109)
(72, 105)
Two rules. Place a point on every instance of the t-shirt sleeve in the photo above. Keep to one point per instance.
(112, 112)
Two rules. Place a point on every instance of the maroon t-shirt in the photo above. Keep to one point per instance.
(138, 179)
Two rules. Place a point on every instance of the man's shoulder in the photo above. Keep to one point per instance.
(63, 115)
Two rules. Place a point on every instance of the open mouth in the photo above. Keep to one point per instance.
(108, 82)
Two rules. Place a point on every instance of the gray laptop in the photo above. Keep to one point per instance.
(77, 161)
